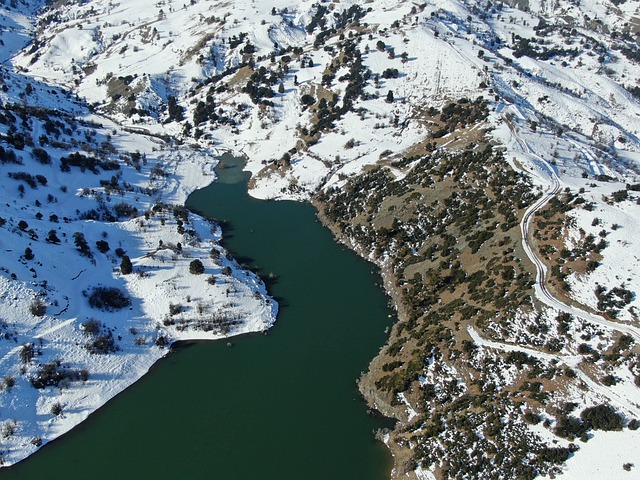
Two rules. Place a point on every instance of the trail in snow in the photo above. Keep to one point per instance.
(570, 360)
(49, 331)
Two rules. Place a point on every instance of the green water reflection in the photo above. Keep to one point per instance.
(281, 406)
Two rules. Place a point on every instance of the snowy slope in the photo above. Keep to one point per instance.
(560, 79)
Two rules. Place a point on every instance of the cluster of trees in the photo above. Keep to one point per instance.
(619, 196)
(84, 162)
(108, 298)
(260, 85)
(121, 88)
(329, 111)
(54, 374)
(101, 338)
(534, 48)
(613, 300)
(175, 110)
(222, 322)
(317, 20)
(599, 417)
(8, 156)
(31, 180)
(390, 73)
(460, 114)
(236, 40)
(81, 244)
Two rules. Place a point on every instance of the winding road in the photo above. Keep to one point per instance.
(541, 269)
(573, 361)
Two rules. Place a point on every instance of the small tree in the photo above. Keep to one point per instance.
(27, 352)
(390, 96)
(28, 254)
(56, 409)
(10, 381)
(126, 267)
(52, 237)
(103, 246)
(38, 308)
(307, 100)
(81, 244)
(176, 112)
(196, 267)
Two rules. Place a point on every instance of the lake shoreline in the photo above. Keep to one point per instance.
(375, 398)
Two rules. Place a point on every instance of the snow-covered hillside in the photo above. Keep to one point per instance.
(112, 112)
(81, 194)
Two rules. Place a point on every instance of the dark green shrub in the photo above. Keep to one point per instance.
(56, 409)
(102, 246)
(108, 298)
(126, 267)
(38, 308)
(602, 417)
(52, 374)
(196, 267)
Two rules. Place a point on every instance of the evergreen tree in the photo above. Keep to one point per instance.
(196, 267)
(126, 267)
(176, 112)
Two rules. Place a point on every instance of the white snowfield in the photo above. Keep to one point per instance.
(568, 121)
(167, 301)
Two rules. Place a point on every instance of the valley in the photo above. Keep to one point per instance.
(483, 155)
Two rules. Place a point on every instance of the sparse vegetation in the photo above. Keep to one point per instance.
(101, 342)
(53, 374)
(108, 298)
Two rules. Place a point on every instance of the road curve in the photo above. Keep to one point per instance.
(541, 269)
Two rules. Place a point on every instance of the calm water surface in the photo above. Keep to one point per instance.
(282, 406)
